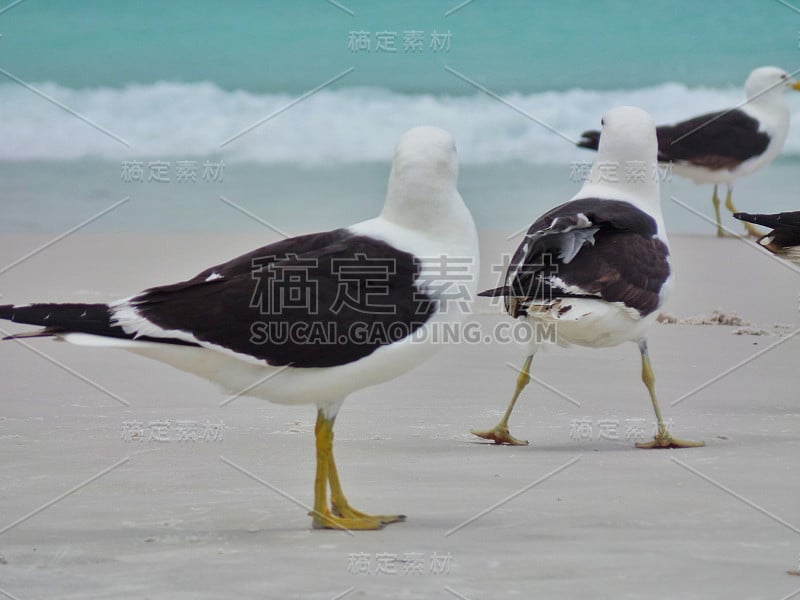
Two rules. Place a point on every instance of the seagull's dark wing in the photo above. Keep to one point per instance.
(719, 140)
(314, 301)
(594, 248)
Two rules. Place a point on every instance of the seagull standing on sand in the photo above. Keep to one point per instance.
(784, 239)
(722, 146)
(310, 319)
(596, 269)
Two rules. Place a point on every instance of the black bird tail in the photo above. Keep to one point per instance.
(501, 291)
(63, 318)
(789, 220)
(58, 319)
(589, 139)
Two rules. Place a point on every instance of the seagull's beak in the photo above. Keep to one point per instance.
(796, 85)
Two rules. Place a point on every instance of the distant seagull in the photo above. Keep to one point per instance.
(784, 239)
(311, 319)
(596, 269)
(722, 146)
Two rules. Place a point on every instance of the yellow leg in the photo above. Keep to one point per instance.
(715, 201)
(322, 516)
(341, 507)
(499, 433)
(751, 229)
(663, 439)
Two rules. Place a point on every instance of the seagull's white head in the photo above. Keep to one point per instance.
(626, 166)
(628, 134)
(422, 185)
(425, 154)
(768, 83)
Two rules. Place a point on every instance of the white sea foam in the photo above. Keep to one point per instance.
(348, 125)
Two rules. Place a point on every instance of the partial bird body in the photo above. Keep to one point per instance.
(784, 239)
(720, 147)
(595, 267)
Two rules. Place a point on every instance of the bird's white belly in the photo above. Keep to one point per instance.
(701, 175)
(290, 385)
(592, 323)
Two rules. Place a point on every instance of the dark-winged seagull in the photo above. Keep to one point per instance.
(596, 269)
(311, 319)
(720, 147)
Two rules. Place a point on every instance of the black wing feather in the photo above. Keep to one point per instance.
(328, 306)
(623, 261)
(260, 308)
(717, 140)
(785, 229)
(787, 220)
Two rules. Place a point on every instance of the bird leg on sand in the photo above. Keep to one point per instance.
(663, 439)
(499, 433)
(342, 515)
(715, 201)
(751, 229)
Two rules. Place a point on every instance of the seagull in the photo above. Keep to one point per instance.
(784, 239)
(596, 269)
(720, 147)
(313, 318)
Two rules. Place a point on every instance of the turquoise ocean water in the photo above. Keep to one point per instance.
(90, 90)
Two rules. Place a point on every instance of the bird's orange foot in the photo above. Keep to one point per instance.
(667, 441)
(499, 435)
(341, 508)
(327, 520)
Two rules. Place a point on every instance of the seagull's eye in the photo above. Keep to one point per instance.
(783, 76)
(602, 122)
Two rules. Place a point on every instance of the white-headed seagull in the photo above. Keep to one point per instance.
(596, 270)
(313, 318)
(720, 147)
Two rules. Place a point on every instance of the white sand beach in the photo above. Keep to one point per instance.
(173, 520)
